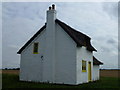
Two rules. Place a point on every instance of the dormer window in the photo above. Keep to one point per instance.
(35, 48)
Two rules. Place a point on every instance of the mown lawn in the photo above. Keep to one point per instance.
(12, 81)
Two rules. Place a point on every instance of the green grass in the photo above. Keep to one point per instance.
(12, 81)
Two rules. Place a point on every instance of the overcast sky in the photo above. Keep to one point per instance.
(99, 20)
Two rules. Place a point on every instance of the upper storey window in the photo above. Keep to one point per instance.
(35, 48)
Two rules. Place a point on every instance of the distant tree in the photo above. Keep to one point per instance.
(6, 68)
(17, 68)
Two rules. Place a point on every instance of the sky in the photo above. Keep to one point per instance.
(99, 20)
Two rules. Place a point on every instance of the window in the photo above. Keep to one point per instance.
(35, 48)
(83, 66)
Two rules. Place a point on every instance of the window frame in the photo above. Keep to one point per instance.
(84, 65)
(35, 51)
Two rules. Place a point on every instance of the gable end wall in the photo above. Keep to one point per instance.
(31, 64)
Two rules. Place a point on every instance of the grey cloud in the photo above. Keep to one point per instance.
(119, 47)
(111, 41)
(26, 10)
(119, 50)
(105, 49)
(111, 9)
(118, 9)
(119, 18)
(7, 57)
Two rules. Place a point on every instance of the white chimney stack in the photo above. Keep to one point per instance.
(50, 45)
(51, 13)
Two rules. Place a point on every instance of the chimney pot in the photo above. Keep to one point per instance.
(53, 6)
(49, 8)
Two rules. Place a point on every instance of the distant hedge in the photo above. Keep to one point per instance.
(11, 69)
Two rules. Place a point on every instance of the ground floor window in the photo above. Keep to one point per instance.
(83, 66)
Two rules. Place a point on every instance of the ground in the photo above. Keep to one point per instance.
(109, 73)
(103, 73)
(108, 79)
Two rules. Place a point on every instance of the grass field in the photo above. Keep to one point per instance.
(11, 80)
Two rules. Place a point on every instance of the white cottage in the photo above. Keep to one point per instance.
(59, 54)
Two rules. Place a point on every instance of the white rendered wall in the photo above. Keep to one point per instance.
(65, 63)
(83, 54)
(95, 72)
(31, 66)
